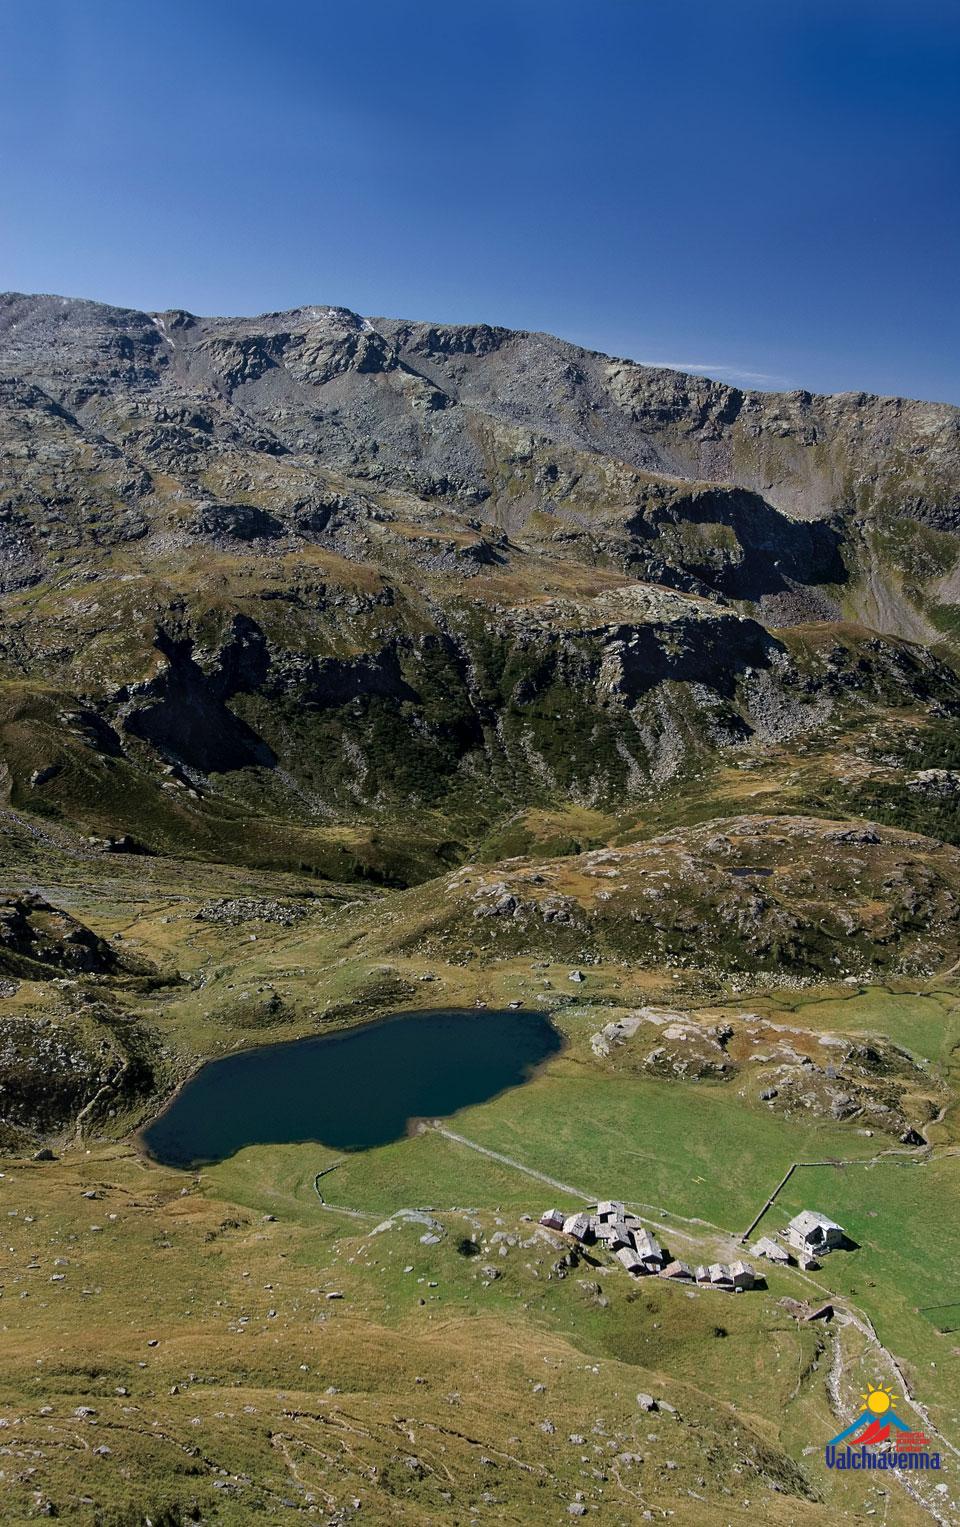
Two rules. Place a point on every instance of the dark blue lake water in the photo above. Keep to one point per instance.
(353, 1090)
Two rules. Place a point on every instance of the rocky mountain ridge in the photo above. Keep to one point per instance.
(315, 568)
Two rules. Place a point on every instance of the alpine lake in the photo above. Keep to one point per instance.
(353, 1090)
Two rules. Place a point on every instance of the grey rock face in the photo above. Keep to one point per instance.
(349, 562)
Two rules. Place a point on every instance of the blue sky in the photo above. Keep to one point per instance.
(764, 190)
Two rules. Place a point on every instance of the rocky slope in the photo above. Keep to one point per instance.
(789, 896)
(311, 569)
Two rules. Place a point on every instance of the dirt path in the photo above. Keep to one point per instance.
(564, 1187)
(518, 1166)
(920, 1487)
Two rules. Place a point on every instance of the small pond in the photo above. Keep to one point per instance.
(351, 1090)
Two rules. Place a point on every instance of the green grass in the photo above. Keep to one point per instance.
(412, 1173)
(696, 1149)
(200, 1335)
(899, 1210)
(692, 1151)
(944, 1317)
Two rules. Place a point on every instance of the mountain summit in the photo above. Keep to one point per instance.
(310, 568)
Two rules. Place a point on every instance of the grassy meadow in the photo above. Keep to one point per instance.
(190, 1312)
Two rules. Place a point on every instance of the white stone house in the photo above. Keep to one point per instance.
(814, 1234)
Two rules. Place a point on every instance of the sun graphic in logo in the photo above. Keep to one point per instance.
(879, 1398)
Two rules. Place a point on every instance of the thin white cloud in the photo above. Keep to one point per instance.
(726, 373)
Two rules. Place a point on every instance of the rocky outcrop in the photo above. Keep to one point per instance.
(344, 389)
(789, 896)
(240, 522)
(33, 933)
(182, 712)
(794, 1071)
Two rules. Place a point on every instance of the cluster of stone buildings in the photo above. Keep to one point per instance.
(809, 1236)
(734, 1277)
(623, 1234)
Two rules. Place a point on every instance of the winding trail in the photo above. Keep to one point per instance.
(108, 1086)
(518, 1166)
(565, 1187)
(912, 1484)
